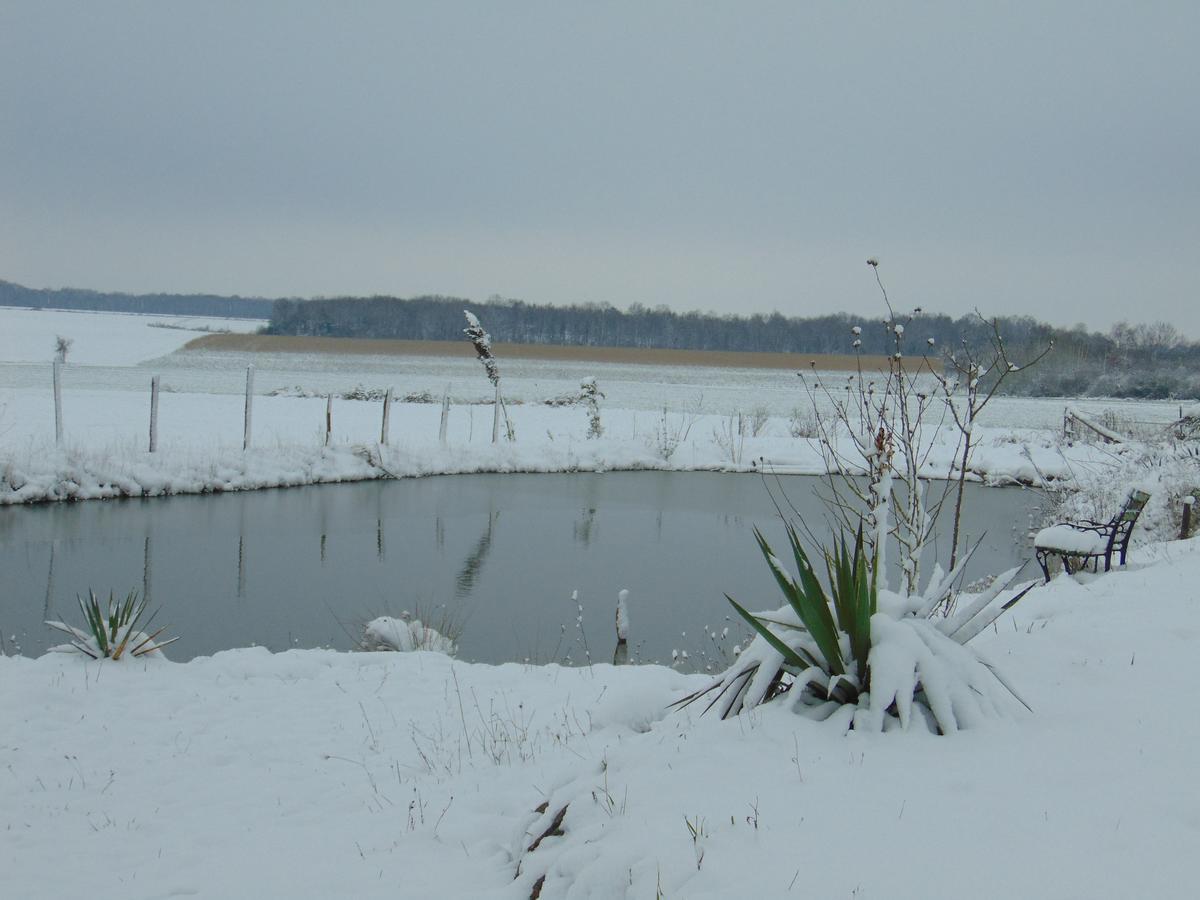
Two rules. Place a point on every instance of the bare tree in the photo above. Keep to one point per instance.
(876, 439)
(978, 372)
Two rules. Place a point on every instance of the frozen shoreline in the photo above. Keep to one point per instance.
(548, 440)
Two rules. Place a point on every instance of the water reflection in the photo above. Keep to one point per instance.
(503, 553)
(469, 573)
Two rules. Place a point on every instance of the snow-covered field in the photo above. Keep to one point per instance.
(653, 416)
(322, 774)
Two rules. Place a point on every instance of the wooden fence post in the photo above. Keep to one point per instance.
(249, 407)
(328, 419)
(154, 413)
(445, 416)
(621, 653)
(1185, 528)
(496, 415)
(58, 413)
(387, 409)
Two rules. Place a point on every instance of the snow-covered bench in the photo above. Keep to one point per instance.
(1078, 542)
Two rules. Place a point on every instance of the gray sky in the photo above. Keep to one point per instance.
(1033, 158)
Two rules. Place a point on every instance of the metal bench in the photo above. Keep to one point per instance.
(1078, 543)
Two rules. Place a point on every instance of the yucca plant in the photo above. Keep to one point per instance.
(832, 648)
(112, 629)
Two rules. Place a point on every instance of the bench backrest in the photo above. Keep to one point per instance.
(1122, 523)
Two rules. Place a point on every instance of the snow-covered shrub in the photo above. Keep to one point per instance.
(803, 423)
(871, 658)
(730, 436)
(671, 431)
(590, 396)
(405, 634)
(112, 630)
(758, 419)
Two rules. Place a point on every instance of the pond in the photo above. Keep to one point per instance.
(498, 556)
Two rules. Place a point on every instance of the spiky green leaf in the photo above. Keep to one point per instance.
(793, 656)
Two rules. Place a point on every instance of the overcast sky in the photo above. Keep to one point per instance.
(1035, 158)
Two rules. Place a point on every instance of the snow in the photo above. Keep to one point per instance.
(315, 774)
(404, 635)
(1071, 540)
(102, 339)
(623, 615)
(312, 774)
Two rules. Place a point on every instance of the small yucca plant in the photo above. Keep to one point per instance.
(112, 629)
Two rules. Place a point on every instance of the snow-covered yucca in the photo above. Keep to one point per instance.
(861, 654)
(112, 630)
(404, 635)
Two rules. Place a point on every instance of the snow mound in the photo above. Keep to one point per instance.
(404, 635)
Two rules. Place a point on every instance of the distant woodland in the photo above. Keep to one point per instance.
(160, 304)
(1148, 361)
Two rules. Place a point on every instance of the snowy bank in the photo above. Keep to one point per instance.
(200, 449)
(319, 774)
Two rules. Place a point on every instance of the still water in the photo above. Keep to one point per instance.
(497, 555)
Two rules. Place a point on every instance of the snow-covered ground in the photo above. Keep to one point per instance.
(101, 338)
(322, 774)
(653, 416)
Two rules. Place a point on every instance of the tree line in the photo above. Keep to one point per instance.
(12, 294)
(1150, 361)
(1146, 360)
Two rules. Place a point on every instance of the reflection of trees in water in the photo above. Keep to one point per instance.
(583, 528)
(465, 582)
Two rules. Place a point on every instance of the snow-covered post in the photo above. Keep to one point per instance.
(58, 413)
(621, 653)
(445, 417)
(387, 409)
(249, 416)
(328, 419)
(496, 415)
(154, 413)
(1185, 528)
